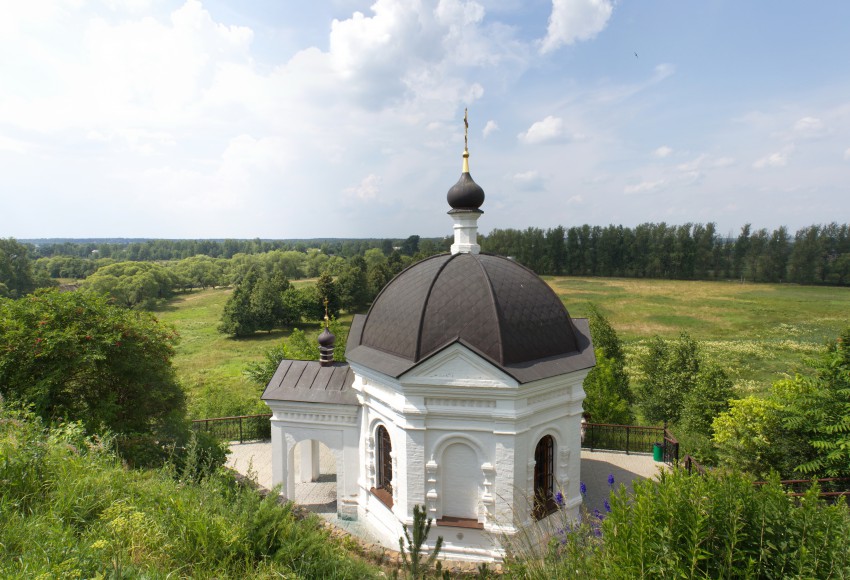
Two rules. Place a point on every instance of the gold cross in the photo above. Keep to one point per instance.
(465, 128)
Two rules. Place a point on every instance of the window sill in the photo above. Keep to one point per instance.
(544, 510)
(452, 522)
(384, 496)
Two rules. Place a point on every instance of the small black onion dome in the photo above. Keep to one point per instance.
(465, 194)
(327, 339)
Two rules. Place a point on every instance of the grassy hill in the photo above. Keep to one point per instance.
(756, 332)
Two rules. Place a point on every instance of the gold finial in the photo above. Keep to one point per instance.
(465, 140)
(327, 318)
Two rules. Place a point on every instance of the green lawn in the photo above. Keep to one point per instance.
(209, 364)
(756, 332)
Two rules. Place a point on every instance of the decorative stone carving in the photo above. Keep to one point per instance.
(432, 497)
(370, 460)
(468, 403)
(488, 501)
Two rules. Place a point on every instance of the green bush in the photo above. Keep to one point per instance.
(70, 510)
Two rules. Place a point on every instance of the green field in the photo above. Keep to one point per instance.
(756, 332)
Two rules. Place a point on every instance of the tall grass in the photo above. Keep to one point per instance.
(687, 526)
(71, 510)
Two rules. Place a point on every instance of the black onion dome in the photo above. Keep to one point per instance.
(327, 338)
(494, 305)
(465, 194)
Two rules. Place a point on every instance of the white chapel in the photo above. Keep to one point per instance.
(462, 392)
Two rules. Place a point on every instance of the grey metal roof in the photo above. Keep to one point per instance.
(492, 305)
(307, 381)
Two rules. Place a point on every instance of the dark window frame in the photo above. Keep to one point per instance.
(544, 478)
(383, 489)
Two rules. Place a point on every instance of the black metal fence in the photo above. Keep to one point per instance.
(242, 428)
(691, 465)
(631, 439)
(832, 489)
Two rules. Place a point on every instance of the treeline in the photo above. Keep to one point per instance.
(817, 254)
(160, 250)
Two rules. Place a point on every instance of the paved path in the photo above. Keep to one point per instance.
(255, 460)
(596, 466)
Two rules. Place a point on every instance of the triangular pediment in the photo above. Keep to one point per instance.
(457, 365)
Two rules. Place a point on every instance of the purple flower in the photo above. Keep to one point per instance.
(559, 498)
(610, 479)
(597, 531)
(607, 506)
(598, 515)
(583, 488)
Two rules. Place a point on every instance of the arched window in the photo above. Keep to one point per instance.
(384, 468)
(544, 478)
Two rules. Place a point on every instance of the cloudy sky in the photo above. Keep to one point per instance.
(344, 118)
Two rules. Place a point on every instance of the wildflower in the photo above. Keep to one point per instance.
(559, 499)
(582, 488)
(563, 533)
(607, 506)
(99, 545)
(610, 479)
(598, 515)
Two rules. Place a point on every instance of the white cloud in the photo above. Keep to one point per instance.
(528, 180)
(847, 154)
(548, 129)
(575, 200)
(777, 159)
(575, 20)
(693, 164)
(489, 128)
(662, 152)
(808, 124)
(367, 189)
(644, 186)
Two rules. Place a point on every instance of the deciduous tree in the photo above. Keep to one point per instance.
(74, 356)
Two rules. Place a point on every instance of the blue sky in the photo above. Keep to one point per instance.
(283, 119)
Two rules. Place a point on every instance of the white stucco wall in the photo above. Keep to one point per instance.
(463, 436)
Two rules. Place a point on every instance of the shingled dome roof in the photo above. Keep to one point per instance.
(492, 305)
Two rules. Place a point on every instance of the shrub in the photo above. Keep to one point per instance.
(687, 526)
(74, 356)
(70, 510)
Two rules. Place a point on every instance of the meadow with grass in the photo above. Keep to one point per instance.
(757, 333)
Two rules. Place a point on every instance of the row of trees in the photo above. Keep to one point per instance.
(264, 302)
(264, 299)
(818, 254)
(159, 250)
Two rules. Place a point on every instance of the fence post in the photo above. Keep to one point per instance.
(628, 431)
(240, 429)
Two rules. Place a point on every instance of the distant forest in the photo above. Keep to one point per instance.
(817, 254)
